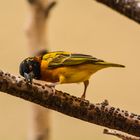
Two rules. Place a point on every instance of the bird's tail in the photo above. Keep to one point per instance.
(107, 64)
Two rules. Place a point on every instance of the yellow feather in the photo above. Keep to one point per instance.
(63, 67)
(71, 69)
(71, 74)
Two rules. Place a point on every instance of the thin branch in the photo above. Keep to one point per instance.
(129, 8)
(49, 8)
(100, 114)
(36, 34)
(36, 25)
(121, 135)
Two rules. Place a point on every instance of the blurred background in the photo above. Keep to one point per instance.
(82, 26)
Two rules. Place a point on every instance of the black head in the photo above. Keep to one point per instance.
(30, 68)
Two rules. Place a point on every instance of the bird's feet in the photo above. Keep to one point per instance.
(83, 96)
(86, 83)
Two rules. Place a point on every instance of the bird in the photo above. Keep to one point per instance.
(60, 67)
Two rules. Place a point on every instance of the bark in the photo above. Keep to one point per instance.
(101, 114)
(121, 135)
(129, 8)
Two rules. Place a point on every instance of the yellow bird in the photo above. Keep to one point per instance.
(63, 67)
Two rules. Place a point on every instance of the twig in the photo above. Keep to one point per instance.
(121, 135)
(36, 26)
(49, 8)
(39, 11)
(129, 8)
(101, 113)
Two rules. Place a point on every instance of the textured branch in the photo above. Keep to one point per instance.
(121, 135)
(129, 8)
(101, 114)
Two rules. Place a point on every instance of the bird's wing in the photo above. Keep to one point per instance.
(59, 59)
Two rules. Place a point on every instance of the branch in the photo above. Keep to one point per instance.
(49, 8)
(42, 5)
(129, 8)
(100, 114)
(36, 25)
(36, 32)
(120, 135)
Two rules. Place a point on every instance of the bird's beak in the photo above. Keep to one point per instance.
(29, 77)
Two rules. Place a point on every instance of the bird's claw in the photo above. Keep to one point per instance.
(83, 97)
